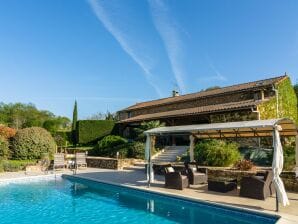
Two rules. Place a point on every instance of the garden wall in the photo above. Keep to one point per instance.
(289, 179)
(109, 163)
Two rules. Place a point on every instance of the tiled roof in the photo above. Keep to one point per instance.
(194, 110)
(235, 88)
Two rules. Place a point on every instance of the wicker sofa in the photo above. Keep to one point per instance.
(195, 174)
(257, 187)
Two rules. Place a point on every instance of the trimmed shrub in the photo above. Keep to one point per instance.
(136, 150)
(31, 143)
(108, 145)
(111, 144)
(4, 151)
(15, 165)
(90, 131)
(216, 153)
(130, 150)
(111, 141)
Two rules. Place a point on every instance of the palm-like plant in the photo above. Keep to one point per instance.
(146, 126)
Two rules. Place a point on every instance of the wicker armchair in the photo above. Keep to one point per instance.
(175, 180)
(257, 187)
(195, 174)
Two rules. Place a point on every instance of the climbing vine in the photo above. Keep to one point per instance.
(287, 103)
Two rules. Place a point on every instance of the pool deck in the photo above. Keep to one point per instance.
(136, 178)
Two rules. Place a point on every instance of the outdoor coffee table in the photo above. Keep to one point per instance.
(222, 184)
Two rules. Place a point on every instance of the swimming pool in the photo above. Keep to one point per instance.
(74, 200)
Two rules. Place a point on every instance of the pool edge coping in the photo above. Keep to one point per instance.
(282, 219)
(44, 176)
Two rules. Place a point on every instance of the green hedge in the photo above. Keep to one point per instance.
(90, 131)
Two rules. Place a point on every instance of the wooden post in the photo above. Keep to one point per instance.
(191, 148)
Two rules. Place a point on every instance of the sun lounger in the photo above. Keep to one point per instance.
(80, 160)
(59, 161)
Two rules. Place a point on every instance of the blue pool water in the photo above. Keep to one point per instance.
(73, 200)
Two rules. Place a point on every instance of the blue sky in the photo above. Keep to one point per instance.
(111, 54)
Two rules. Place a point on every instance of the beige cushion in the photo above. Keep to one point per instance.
(170, 169)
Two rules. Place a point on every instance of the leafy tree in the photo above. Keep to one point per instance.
(110, 116)
(7, 132)
(19, 115)
(296, 91)
(212, 88)
(101, 116)
(74, 116)
(74, 123)
(97, 116)
(146, 126)
(57, 124)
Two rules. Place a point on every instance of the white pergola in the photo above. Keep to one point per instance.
(243, 129)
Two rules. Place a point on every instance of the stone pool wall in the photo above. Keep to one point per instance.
(109, 163)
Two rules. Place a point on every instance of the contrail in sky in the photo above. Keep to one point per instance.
(169, 33)
(126, 44)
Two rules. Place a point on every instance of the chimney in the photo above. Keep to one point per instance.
(175, 93)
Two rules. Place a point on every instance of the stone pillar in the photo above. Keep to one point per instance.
(191, 147)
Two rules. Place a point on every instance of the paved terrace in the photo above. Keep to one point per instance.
(137, 178)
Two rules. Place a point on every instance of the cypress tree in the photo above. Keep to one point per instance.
(74, 122)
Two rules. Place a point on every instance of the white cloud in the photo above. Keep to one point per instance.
(126, 44)
(169, 32)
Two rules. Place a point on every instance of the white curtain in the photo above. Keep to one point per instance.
(147, 158)
(147, 151)
(277, 166)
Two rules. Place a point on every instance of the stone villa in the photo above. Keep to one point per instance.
(263, 99)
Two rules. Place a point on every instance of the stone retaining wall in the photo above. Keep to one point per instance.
(108, 163)
(289, 179)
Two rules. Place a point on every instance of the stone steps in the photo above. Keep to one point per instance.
(170, 154)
